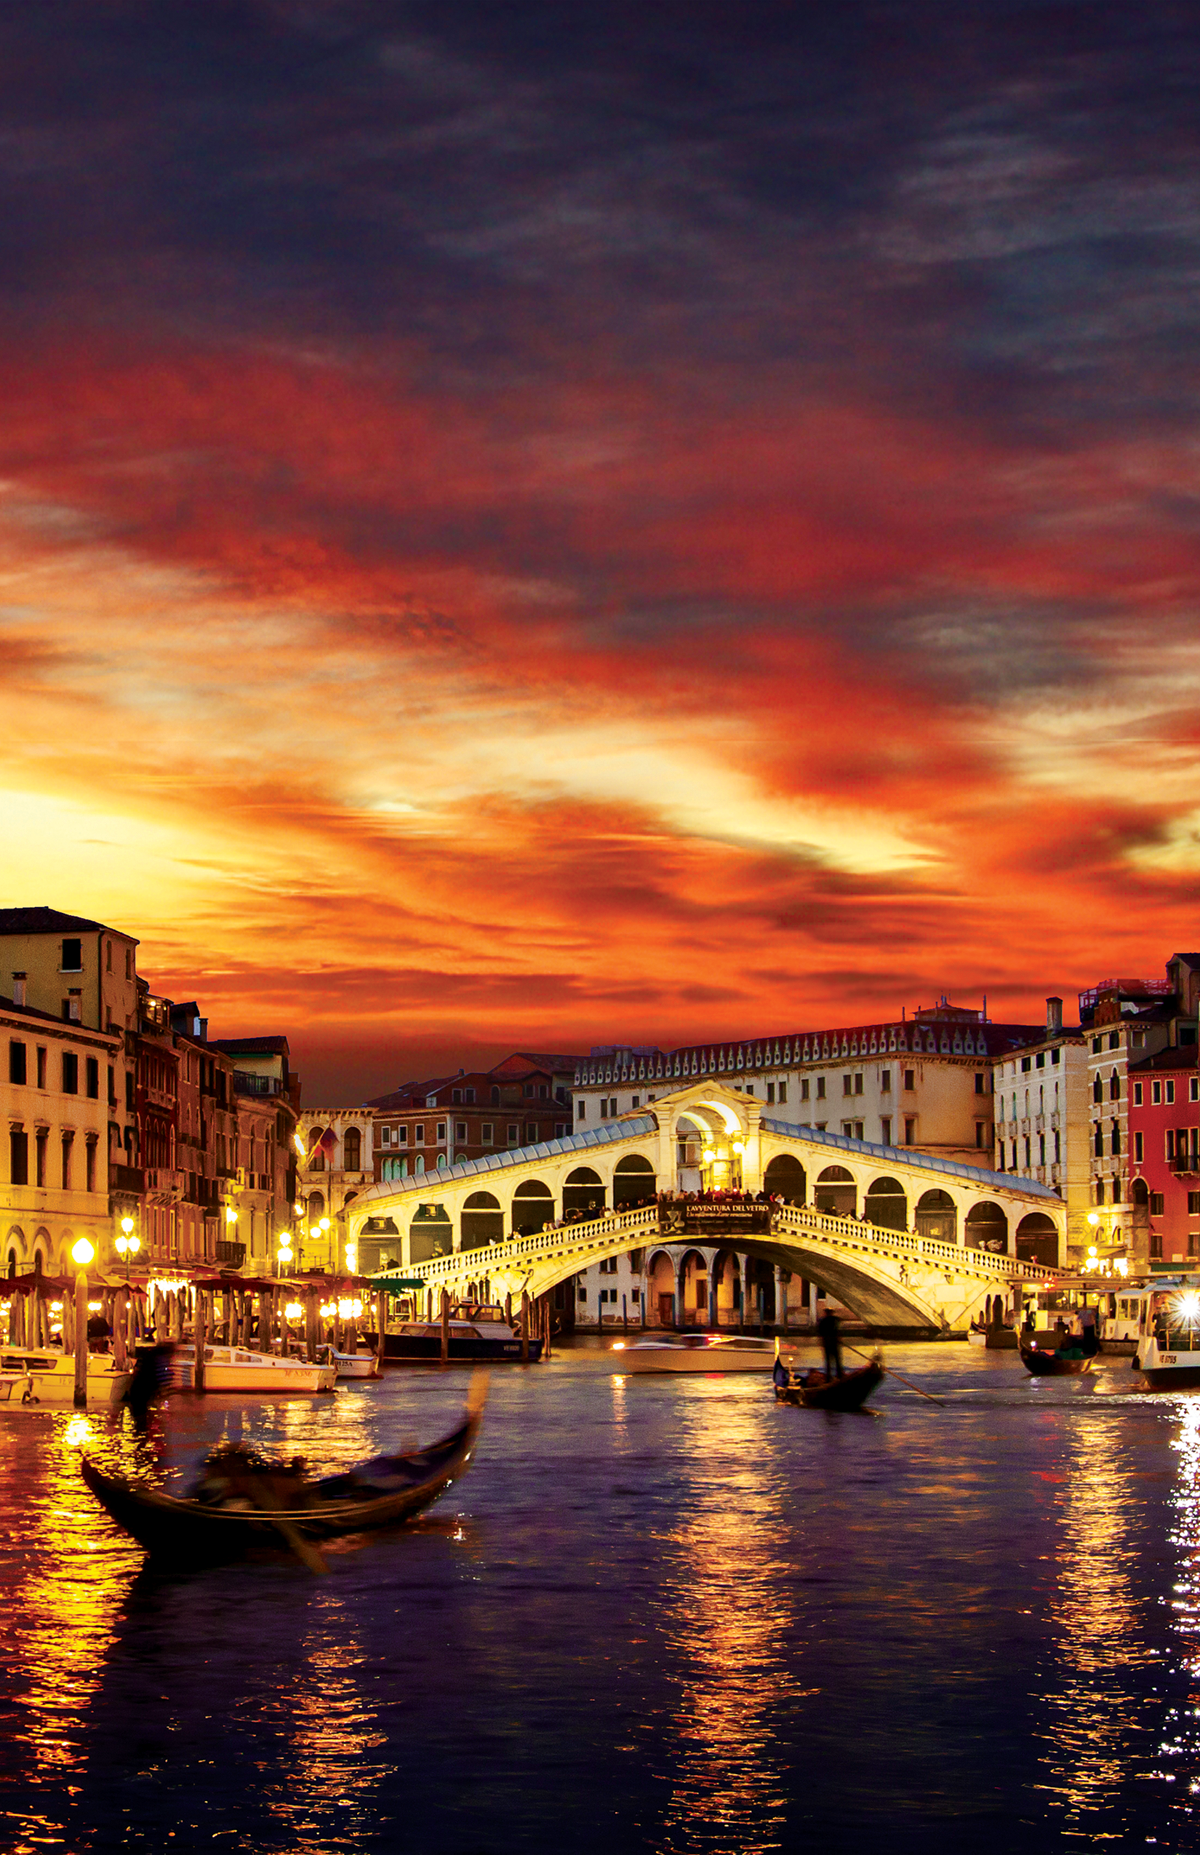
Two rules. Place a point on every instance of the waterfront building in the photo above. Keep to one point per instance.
(1164, 1140)
(923, 1082)
(1043, 1124)
(262, 1197)
(56, 1078)
(336, 1158)
(428, 1126)
(1125, 1022)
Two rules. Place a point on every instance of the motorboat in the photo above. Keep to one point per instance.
(976, 1336)
(818, 1392)
(51, 1376)
(244, 1506)
(695, 1352)
(1168, 1346)
(352, 1365)
(483, 1342)
(234, 1368)
(16, 1386)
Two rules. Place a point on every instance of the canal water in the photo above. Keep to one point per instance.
(658, 1614)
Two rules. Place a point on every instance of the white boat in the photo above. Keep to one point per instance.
(16, 1387)
(354, 1365)
(51, 1376)
(695, 1352)
(230, 1368)
(1168, 1344)
(976, 1336)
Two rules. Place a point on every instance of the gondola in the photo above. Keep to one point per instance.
(1044, 1362)
(817, 1392)
(252, 1507)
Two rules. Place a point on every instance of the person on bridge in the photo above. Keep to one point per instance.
(829, 1327)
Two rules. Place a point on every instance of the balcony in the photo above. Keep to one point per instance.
(128, 1179)
(1185, 1165)
(247, 1084)
(233, 1255)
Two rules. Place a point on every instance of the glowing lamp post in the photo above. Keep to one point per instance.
(81, 1255)
(127, 1244)
(283, 1255)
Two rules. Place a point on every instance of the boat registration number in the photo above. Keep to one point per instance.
(1167, 1359)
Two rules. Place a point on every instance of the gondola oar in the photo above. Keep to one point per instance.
(892, 1373)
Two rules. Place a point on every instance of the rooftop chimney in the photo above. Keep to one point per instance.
(1054, 1017)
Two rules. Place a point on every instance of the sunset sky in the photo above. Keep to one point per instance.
(531, 526)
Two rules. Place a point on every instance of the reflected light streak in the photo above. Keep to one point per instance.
(1101, 1630)
(722, 1619)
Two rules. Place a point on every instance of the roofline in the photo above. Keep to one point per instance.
(910, 1156)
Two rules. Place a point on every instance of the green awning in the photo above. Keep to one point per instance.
(399, 1284)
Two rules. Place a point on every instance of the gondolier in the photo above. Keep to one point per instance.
(829, 1327)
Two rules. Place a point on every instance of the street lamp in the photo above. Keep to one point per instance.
(127, 1244)
(352, 1258)
(282, 1255)
(81, 1255)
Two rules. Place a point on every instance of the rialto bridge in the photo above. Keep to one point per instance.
(901, 1237)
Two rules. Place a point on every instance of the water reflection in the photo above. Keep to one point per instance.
(1100, 1621)
(725, 1613)
(1180, 1745)
(62, 1608)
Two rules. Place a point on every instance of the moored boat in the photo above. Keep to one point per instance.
(479, 1342)
(234, 1368)
(354, 1365)
(1168, 1347)
(51, 1376)
(696, 1352)
(245, 1506)
(817, 1392)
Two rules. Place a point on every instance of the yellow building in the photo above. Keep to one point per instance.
(56, 1081)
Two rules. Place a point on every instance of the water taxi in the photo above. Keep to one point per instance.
(695, 1352)
(480, 1342)
(51, 1376)
(232, 1368)
(1168, 1344)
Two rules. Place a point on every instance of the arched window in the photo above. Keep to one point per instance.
(495, 1098)
(352, 1150)
(419, 1163)
(1114, 1087)
(1097, 1090)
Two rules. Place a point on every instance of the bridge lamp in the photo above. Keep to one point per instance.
(352, 1258)
(345, 1308)
(293, 1311)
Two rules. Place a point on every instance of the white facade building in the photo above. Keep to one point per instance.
(1042, 1098)
(336, 1162)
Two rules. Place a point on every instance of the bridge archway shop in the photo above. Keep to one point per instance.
(934, 1240)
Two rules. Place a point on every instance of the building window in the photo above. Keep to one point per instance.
(771, 1093)
(90, 1160)
(910, 1078)
(1170, 1090)
(1194, 1204)
(1156, 1245)
(67, 1142)
(858, 1083)
(1156, 1204)
(72, 1008)
(401, 1134)
(885, 1081)
(1028, 1152)
(1097, 1089)
(636, 1102)
(531, 1133)
(419, 1134)
(441, 1131)
(1114, 1040)
(820, 1088)
(582, 1292)
(16, 1062)
(18, 1157)
(468, 1095)
(1098, 1141)
(456, 1098)
(1137, 1094)
(804, 1088)
(485, 1133)
(460, 1133)
(847, 1128)
(72, 956)
(1114, 1086)
(980, 1129)
(39, 1156)
(910, 1130)
(1194, 1088)
(1057, 1146)
(418, 1163)
(18, 988)
(885, 1130)
(70, 1073)
(1115, 1148)
(92, 1077)
(1041, 1148)
(514, 1134)
(1138, 1148)
(581, 1109)
(847, 1084)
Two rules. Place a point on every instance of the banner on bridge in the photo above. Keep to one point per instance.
(718, 1217)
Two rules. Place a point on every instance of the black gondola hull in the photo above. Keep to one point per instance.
(1052, 1365)
(837, 1394)
(187, 1534)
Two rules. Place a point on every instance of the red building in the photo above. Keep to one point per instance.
(426, 1126)
(1164, 1157)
